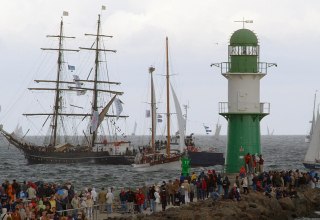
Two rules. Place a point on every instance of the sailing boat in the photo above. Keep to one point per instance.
(268, 131)
(309, 136)
(93, 146)
(312, 157)
(149, 158)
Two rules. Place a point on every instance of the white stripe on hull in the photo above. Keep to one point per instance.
(174, 165)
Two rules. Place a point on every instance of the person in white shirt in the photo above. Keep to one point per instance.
(109, 201)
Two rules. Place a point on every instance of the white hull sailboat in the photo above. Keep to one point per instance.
(149, 159)
(312, 157)
(154, 167)
(309, 136)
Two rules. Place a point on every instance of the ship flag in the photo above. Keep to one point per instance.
(71, 68)
(119, 107)
(148, 113)
(207, 129)
(65, 13)
(159, 118)
(103, 7)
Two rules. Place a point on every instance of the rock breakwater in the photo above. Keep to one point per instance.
(254, 205)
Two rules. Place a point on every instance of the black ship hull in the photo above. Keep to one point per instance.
(205, 158)
(41, 155)
(76, 157)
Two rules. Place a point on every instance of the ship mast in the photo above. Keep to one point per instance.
(58, 88)
(168, 99)
(57, 99)
(96, 74)
(153, 109)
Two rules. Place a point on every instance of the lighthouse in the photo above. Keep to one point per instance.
(243, 111)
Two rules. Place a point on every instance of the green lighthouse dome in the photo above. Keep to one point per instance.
(244, 37)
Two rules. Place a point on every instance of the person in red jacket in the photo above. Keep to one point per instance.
(140, 200)
(203, 188)
(247, 160)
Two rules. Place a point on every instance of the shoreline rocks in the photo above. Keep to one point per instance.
(252, 206)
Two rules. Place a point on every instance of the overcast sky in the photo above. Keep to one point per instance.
(198, 32)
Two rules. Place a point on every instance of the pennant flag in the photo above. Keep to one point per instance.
(65, 13)
(148, 113)
(71, 68)
(119, 107)
(103, 7)
(207, 129)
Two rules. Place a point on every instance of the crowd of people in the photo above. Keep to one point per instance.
(44, 201)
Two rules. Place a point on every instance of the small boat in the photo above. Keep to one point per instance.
(77, 133)
(149, 159)
(312, 157)
(203, 158)
(269, 133)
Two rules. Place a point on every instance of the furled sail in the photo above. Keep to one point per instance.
(154, 110)
(105, 110)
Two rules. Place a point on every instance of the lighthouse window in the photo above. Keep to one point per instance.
(244, 50)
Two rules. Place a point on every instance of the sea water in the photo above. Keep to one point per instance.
(279, 152)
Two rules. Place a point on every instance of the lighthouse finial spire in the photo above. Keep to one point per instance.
(244, 21)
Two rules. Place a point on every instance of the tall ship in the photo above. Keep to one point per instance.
(82, 121)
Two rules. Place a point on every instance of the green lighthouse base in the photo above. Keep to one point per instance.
(243, 138)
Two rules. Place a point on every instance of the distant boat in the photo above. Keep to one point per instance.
(217, 131)
(309, 136)
(89, 144)
(312, 157)
(268, 131)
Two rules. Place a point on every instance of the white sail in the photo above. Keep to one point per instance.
(180, 119)
(314, 147)
(313, 121)
(18, 131)
(217, 132)
(119, 108)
